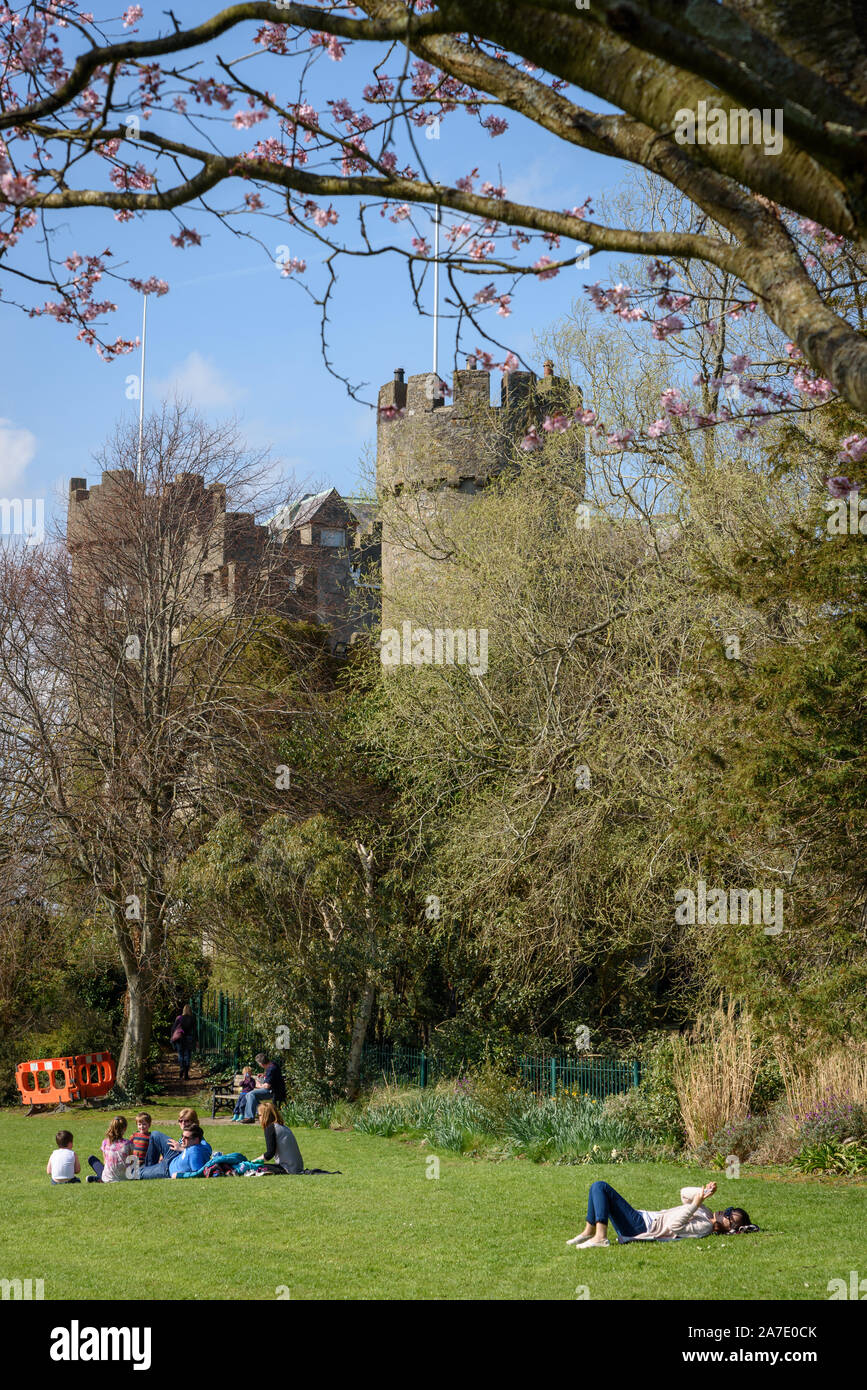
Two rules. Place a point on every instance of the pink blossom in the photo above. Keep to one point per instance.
(672, 402)
(325, 217)
(330, 43)
(131, 15)
(510, 365)
(16, 187)
(421, 246)
(817, 388)
(390, 412)
(620, 438)
(665, 327)
(488, 295)
(585, 417)
(710, 326)
(496, 125)
(792, 350)
(254, 202)
(480, 249)
(401, 213)
(740, 363)
(243, 120)
(531, 440)
(492, 190)
(485, 359)
(809, 227)
(465, 182)
(186, 237)
(542, 266)
(853, 448)
(292, 265)
(124, 215)
(658, 427)
(151, 286)
(556, 424)
(840, 486)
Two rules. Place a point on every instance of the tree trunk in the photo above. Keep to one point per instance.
(132, 1067)
(359, 1033)
(368, 989)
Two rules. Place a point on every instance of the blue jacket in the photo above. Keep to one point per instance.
(192, 1160)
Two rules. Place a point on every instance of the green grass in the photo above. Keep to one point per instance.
(383, 1230)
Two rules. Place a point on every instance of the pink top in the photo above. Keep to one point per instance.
(114, 1156)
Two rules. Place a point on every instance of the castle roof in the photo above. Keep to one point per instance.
(295, 514)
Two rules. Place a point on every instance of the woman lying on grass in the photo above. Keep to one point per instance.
(691, 1218)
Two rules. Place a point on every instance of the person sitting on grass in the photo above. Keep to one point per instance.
(63, 1165)
(194, 1155)
(117, 1163)
(282, 1154)
(273, 1088)
(691, 1218)
(248, 1084)
(163, 1151)
(141, 1140)
(159, 1144)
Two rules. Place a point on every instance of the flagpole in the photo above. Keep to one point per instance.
(436, 333)
(144, 327)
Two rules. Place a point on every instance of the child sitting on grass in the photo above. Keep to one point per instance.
(248, 1083)
(141, 1139)
(63, 1163)
(116, 1151)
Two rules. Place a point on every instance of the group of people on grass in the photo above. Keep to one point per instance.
(153, 1154)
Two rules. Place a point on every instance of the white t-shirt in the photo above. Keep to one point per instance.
(62, 1165)
(648, 1217)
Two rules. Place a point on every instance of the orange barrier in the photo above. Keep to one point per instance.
(63, 1080)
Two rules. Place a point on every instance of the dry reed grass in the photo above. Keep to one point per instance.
(714, 1071)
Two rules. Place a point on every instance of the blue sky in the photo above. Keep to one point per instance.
(238, 339)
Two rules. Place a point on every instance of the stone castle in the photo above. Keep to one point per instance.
(332, 560)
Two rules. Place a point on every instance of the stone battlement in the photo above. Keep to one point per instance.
(465, 441)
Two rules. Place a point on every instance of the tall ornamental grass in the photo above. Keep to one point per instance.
(715, 1069)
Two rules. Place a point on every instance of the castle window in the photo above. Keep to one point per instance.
(332, 536)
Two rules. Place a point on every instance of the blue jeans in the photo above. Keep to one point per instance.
(604, 1204)
(157, 1156)
(184, 1051)
(251, 1102)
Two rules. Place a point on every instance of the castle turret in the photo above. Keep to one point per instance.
(434, 453)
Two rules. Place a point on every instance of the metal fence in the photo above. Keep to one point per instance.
(228, 1038)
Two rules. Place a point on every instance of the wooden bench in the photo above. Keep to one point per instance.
(223, 1095)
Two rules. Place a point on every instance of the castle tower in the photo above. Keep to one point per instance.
(434, 456)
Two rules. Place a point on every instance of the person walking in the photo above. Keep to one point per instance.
(183, 1040)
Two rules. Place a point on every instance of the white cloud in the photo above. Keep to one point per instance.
(199, 380)
(17, 450)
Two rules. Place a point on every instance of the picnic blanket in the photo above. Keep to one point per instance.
(236, 1165)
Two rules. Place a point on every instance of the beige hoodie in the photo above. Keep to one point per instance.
(689, 1219)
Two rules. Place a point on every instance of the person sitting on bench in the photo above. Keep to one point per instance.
(273, 1088)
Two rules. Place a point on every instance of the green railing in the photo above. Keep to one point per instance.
(227, 1037)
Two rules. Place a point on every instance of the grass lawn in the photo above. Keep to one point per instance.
(385, 1230)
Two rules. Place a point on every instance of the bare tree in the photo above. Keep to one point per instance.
(132, 701)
